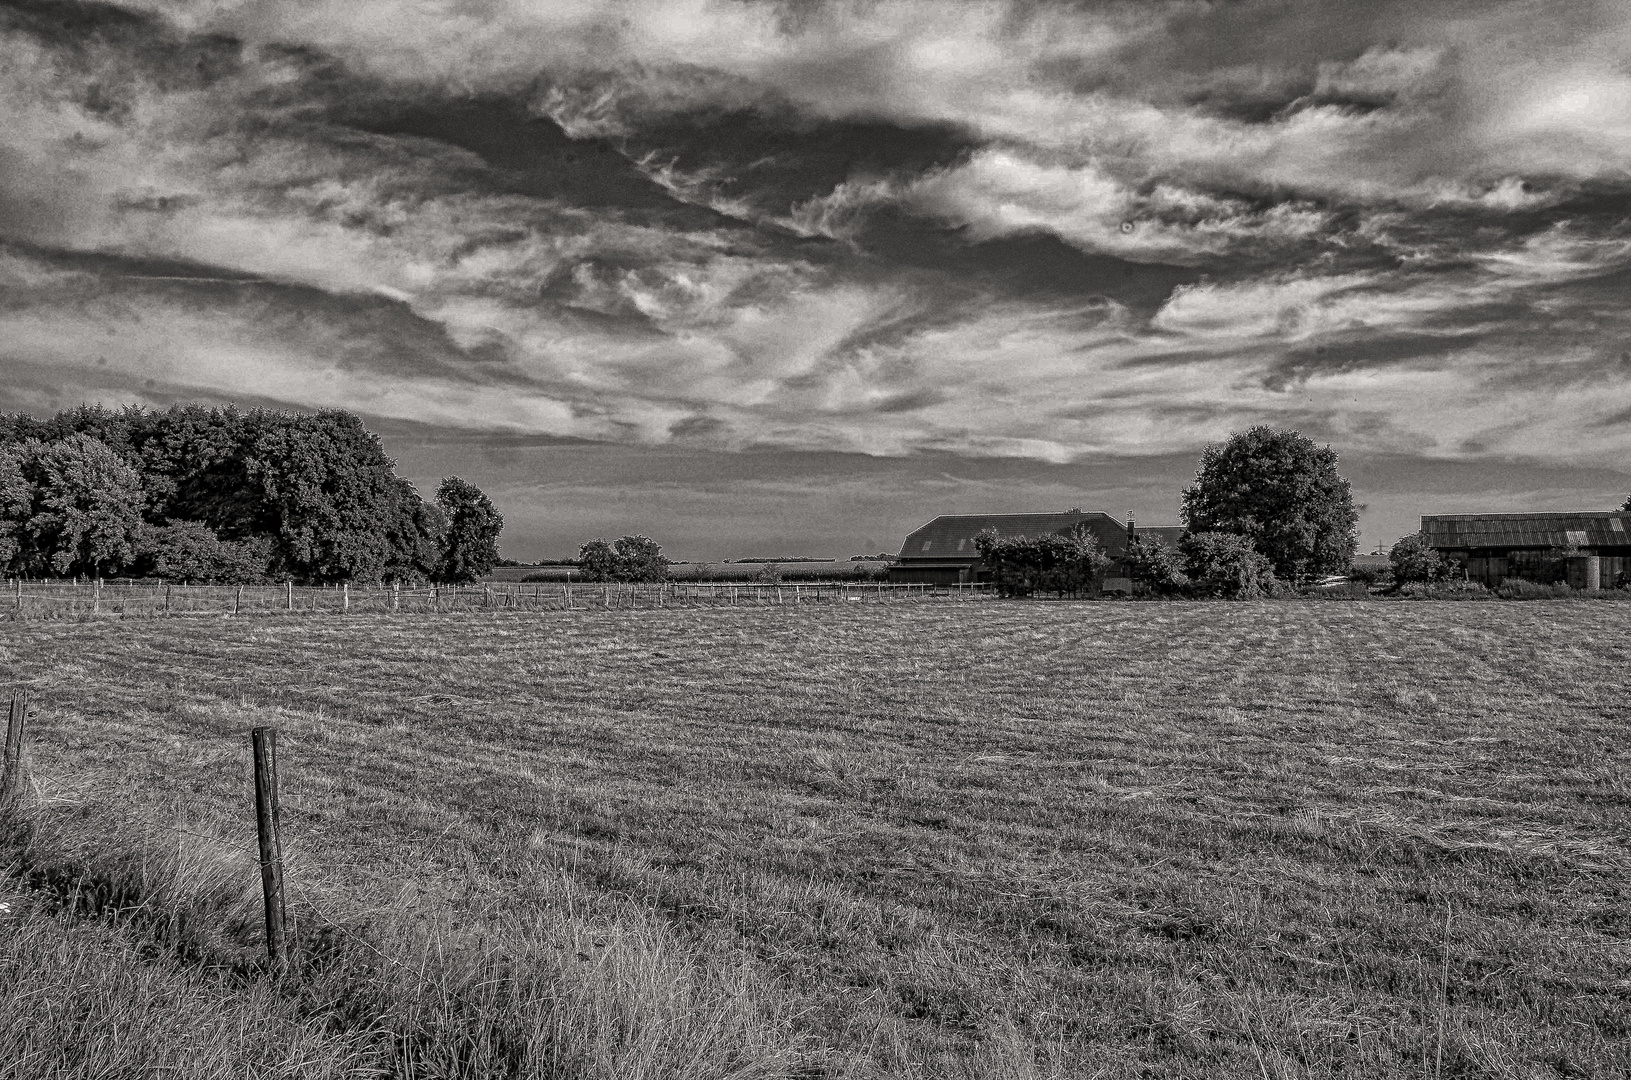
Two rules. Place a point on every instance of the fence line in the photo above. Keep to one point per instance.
(149, 599)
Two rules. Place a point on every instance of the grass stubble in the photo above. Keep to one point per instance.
(963, 840)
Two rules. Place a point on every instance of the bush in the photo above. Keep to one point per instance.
(1371, 575)
(1346, 590)
(1523, 589)
(1226, 565)
(1413, 559)
(1153, 568)
(1022, 565)
(1450, 589)
(190, 551)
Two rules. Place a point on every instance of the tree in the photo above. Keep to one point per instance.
(1281, 491)
(1226, 565)
(629, 558)
(16, 507)
(639, 558)
(597, 560)
(1414, 559)
(86, 508)
(473, 525)
(1153, 567)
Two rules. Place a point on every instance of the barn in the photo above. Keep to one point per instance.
(1590, 550)
(943, 552)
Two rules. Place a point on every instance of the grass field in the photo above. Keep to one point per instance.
(987, 840)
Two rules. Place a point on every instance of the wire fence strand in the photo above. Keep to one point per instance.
(121, 599)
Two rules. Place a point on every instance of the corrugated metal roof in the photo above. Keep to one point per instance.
(1586, 529)
(951, 536)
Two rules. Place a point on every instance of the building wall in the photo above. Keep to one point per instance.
(907, 574)
(1493, 567)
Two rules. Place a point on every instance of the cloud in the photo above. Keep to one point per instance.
(1037, 231)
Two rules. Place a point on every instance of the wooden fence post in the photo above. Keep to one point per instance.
(19, 594)
(238, 600)
(264, 742)
(14, 766)
(396, 595)
(289, 586)
(345, 596)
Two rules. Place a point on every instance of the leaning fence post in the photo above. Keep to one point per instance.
(13, 767)
(238, 600)
(264, 742)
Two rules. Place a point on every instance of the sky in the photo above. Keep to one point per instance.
(762, 279)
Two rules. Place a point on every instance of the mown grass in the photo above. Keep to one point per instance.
(1001, 839)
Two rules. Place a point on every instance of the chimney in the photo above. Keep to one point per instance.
(1132, 527)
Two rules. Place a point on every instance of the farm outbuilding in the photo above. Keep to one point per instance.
(1589, 550)
(944, 552)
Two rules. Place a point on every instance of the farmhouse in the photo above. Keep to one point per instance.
(943, 552)
(1590, 550)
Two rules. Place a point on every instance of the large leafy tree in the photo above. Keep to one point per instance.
(332, 489)
(473, 525)
(86, 507)
(1282, 492)
(16, 507)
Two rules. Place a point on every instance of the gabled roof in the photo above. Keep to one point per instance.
(951, 536)
(1586, 529)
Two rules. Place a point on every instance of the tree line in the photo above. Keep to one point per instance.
(227, 496)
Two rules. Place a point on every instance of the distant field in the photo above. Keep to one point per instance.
(986, 840)
(836, 570)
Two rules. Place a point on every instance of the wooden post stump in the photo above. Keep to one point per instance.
(14, 766)
(264, 742)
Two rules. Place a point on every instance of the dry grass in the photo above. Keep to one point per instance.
(994, 840)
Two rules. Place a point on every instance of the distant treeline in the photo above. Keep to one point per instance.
(230, 496)
(764, 573)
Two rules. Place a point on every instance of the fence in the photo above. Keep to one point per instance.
(135, 599)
